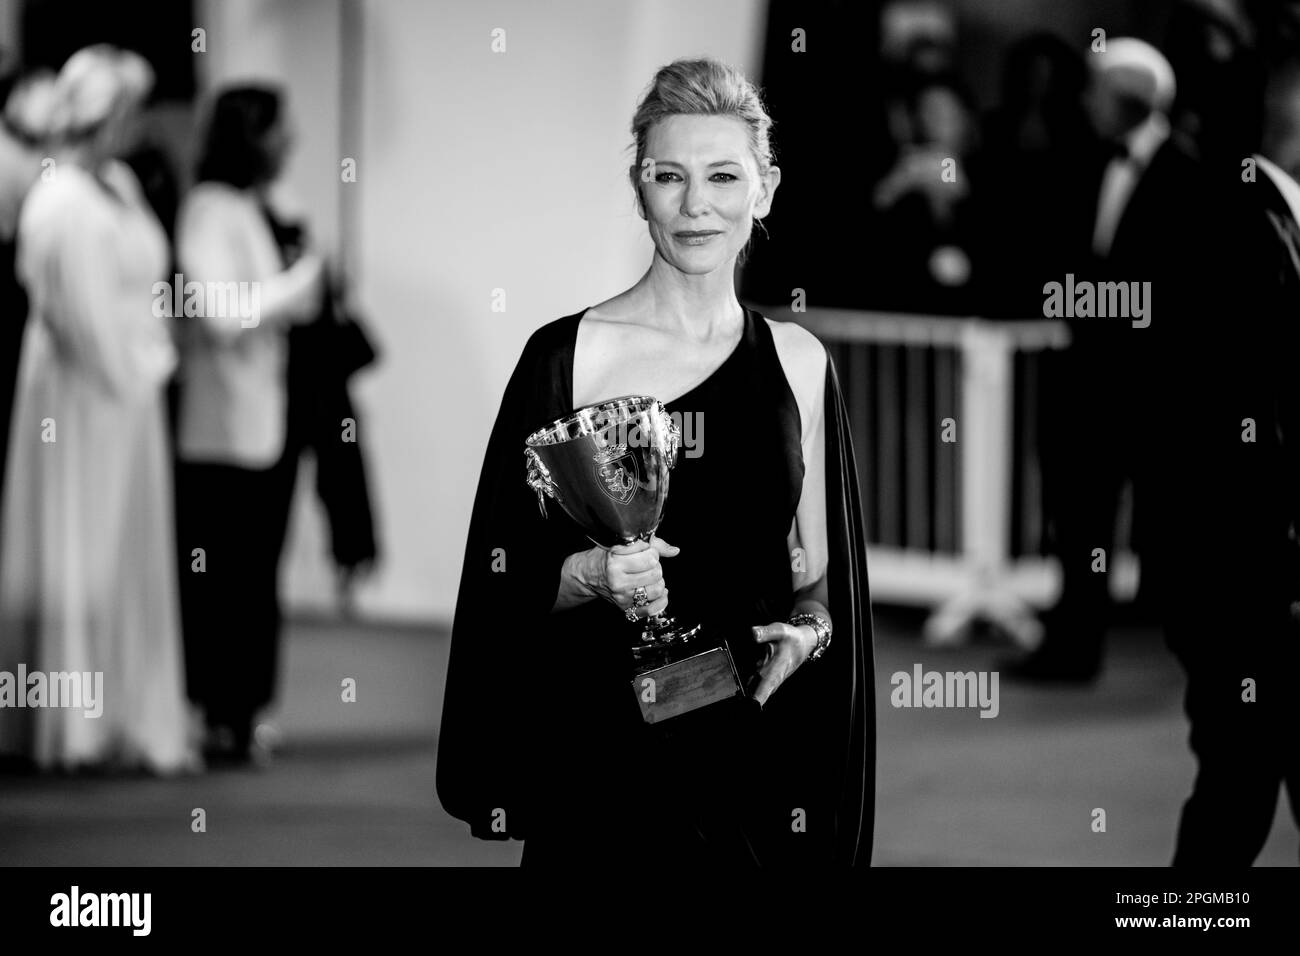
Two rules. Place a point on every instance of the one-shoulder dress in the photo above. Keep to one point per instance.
(542, 738)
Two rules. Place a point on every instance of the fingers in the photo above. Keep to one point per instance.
(656, 606)
(664, 548)
(778, 666)
(783, 658)
(621, 581)
(766, 686)
(631, 566)
(633, 562)
(632, 548)
(625, 595)
(653, 592)
(640, 555)
(769, 633)
(642, 579)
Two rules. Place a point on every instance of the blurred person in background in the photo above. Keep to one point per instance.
(924, 254)
(254, 393)
(87, 578)
(1214, 47)
(918, 41)
(1229, 506)
(919, 246)
(1155, 221)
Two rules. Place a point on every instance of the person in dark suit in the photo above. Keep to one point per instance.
(1228, 567)
(1101, 393)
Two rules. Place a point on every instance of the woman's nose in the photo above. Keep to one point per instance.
(694, 203)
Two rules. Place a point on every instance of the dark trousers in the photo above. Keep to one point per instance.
(1245, 751)
(230, 610)
(1095, 410)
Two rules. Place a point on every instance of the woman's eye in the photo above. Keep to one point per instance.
(724, 177)
(664, 177)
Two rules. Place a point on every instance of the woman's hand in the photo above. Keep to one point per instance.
(616, 574)
(787, 648)
(309, 286)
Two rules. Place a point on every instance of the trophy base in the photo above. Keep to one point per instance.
(674, 679)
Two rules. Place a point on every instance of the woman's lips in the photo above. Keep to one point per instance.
(696, 238)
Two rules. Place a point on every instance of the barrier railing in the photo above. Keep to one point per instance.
(944, 414)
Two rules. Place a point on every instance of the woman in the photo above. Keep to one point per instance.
(87, 581)
(241, 427)
(541, 737)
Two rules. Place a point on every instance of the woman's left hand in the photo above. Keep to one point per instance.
(787, 648)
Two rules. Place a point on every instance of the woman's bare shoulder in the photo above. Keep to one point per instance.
(803, 357)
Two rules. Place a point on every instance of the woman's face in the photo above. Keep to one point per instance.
(701, 190)
(120, 132)
(277, 143)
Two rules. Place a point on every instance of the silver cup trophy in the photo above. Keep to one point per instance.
(608, 466)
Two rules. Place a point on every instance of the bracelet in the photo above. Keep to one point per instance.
(821, 627)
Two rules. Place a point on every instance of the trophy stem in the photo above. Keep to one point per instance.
(660, 632)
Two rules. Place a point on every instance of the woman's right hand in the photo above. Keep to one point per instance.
(309, 281)
(617, 573)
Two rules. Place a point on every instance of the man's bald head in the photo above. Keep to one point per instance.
(1131, 79)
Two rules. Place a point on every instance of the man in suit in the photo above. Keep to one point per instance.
(1101, 392)
(1227, 566)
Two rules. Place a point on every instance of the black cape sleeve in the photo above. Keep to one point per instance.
(852, 675)
(509, 580)
(820, 726)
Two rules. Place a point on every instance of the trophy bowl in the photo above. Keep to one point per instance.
(607, 465)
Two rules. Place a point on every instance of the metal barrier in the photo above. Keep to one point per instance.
(945, 429)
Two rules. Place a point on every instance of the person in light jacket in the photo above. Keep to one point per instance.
(236, 467)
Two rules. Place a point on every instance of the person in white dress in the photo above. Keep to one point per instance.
(87, 544)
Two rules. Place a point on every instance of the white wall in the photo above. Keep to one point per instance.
(476, 171)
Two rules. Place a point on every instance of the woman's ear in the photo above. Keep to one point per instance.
(767, 189)
(634, 174)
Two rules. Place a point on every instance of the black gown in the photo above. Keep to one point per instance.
(541, 736)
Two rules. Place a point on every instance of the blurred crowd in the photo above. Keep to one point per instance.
(1169, 170)
(170, 355)
(1018, 198)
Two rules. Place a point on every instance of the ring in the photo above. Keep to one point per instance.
(640, 598)
(631, 615)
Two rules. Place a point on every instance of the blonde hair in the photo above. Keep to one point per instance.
(92, 85)
(704, 87)
(32, 103)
